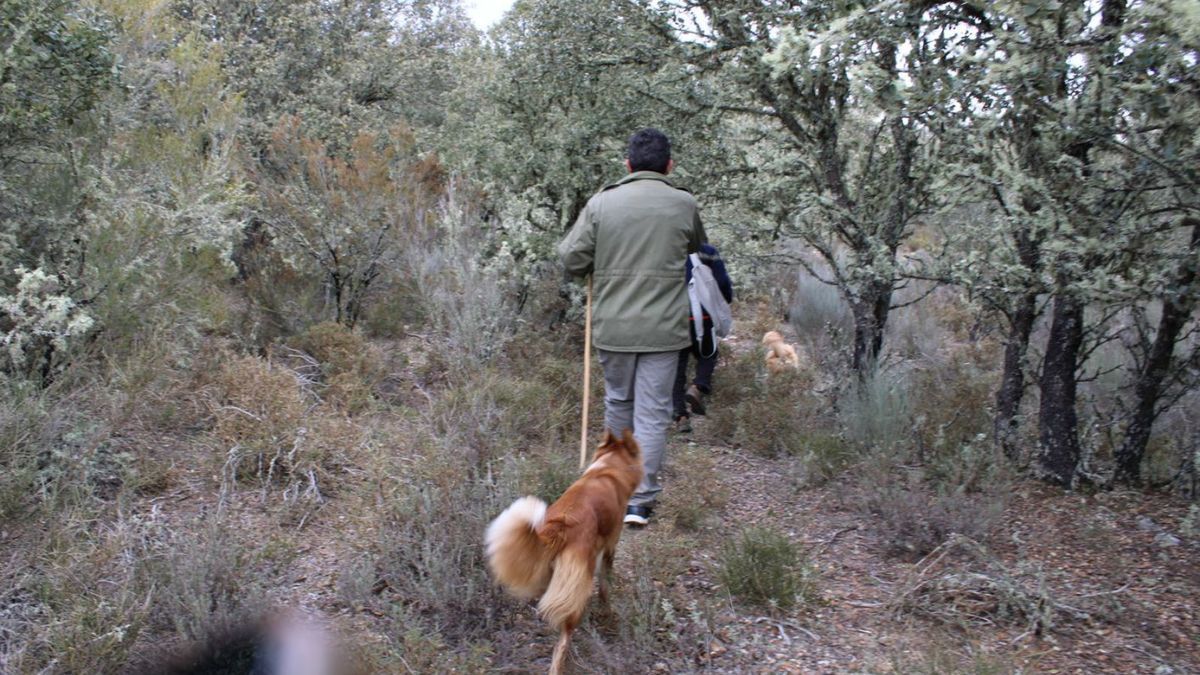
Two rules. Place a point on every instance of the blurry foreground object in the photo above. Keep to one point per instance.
(273, 646)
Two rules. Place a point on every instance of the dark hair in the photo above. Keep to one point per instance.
(649, 150)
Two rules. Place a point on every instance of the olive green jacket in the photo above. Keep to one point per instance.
(633, 238)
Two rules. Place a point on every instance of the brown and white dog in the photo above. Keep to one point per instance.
(551, 552)
(780, 355)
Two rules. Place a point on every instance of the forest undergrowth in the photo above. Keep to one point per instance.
(805, 527)
(282, 327)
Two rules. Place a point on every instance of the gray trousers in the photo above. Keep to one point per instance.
(637, 395)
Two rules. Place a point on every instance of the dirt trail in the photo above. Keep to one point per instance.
(1111, 556)
(1150, 624)
(1111, 551)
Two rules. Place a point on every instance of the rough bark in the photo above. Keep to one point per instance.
(1012, 379)
(1176, 311)
(870, 320)
(1058, 422)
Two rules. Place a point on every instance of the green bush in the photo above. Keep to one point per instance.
(824, 456)
(769, 415)
(763, 567)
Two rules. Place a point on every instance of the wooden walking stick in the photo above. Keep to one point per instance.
(587, 375)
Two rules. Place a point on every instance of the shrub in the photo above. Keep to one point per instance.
(279, 299)
(763, 567)
(547, 474)
(774, 423)
(975, 466)
(428, 553)
(770, 415)
(39, 321)
(58, 453)
(824, 456)
(915, 515)
(269, 431)
(641, 601)
(821, 319)
(83, 599)
(208, 582)
(469, 298)
(350, 367)
(74, 599)
(25, 430)
(420, 649)
(737, 381)
(914, 521)
(259, 416)
(951, 400)
(877, 412)
(818, 309)
(343, 219)
(927, 476)
(941, 658)
(491, 415)
(961, 583)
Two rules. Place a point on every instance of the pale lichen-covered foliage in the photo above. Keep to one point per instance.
(125, 193)
(37, 313)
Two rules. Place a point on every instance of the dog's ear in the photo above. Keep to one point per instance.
(630, 442)
(606, 443)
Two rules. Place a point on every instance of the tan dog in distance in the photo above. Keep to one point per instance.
(780, 355)
(551, 552)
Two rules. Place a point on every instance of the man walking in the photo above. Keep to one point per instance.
(633, 238)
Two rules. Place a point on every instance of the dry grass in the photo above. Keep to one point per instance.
(986, 592)
(26, 427)
(913, 517)
(85, 601)
(269, 429)
(259, 413)
(349, 368)
(650, 616)
(942, 656)
(492, 415)
(696, 492)
(422, 564)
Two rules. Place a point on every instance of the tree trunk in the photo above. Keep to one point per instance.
(1058, 422)
(1012, 380)
(1175, 314)
(870, 319)
(864, 341)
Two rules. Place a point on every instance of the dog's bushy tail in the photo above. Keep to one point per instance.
(570, 588)
(518, 558)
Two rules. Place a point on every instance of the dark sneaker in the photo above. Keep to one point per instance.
(683, 424)
(695, 399)
(637, 516)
